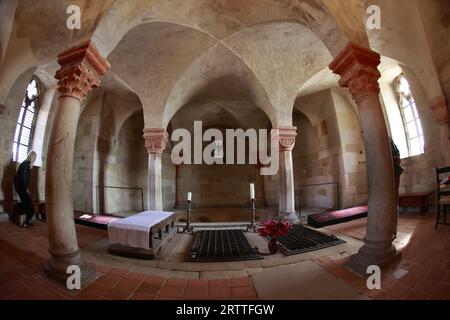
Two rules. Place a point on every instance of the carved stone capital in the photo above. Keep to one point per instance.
(80, 72)
(155, 140)
(286, 138)
(440, 110)
(357, 67)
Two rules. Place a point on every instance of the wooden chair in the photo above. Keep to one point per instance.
(443, 196)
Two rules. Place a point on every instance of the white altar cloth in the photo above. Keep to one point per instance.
(134, 231)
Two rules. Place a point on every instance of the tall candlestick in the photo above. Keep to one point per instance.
(188, 227)
(252, 191)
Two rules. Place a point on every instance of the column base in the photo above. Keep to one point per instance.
(57, 265)
(289, 216)
(380, 254)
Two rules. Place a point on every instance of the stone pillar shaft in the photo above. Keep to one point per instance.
(155, 142)
(357, 67)
(80, 70)
(286, 197)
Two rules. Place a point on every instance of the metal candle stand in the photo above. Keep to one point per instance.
(188, 227)
(252, 225)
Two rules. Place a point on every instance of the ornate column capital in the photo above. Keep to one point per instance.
(155, 140)
(286, 138)
(440, 109)
(81, 69)
(357, 67)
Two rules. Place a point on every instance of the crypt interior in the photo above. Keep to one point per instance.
(99, 105)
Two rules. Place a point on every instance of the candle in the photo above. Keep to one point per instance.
(189, 196)
(252, 191)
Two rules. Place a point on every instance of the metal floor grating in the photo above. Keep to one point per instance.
(222, 245)
(302, 239)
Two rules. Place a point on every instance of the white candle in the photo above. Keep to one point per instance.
(252, 191)
(189, 196)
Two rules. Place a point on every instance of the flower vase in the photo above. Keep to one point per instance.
(273, 245)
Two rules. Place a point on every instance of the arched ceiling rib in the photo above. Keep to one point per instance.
(153, 58)
(107, 22)
(217, 74)
(219, 19)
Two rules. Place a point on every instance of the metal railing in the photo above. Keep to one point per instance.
(100, 209)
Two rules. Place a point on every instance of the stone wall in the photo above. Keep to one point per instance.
(353, 167)
(104, 157)
(216, 185)
(123, 163)
(83, 189)
(316, 154)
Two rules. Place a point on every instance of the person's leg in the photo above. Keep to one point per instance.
(23, 208)
(29, 210)
(26, 205)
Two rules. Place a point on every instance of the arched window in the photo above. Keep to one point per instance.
(218, 149)
(411, 120)
(25, 123)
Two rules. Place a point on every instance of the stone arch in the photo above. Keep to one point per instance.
(392, 42)
(348, 15)
(218, 20)
(205, 71)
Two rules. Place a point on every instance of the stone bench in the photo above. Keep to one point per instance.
(142, 235)
(416, 199)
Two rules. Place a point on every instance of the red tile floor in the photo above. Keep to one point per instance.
(23, 253)
(423, 272)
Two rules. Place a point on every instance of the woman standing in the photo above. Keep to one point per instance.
(21, 183)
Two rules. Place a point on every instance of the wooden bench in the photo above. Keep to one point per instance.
(416, 199)
(14, 210)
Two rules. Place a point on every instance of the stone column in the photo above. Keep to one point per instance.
(286, 196)
(80, 70)
(357, 67)
(440, 110)
(155, 142)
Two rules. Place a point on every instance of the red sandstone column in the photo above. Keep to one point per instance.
(286, 195)
(357, 67)
(80, 70)
(155, 142)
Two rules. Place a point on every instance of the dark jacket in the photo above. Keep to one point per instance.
(22, 178)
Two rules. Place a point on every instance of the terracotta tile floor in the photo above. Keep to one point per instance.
(423, 273)
(21, 275)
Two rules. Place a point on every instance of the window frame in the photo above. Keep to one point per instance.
(27, 102)
(415, 113)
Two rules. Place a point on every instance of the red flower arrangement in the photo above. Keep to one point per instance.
(274, 228)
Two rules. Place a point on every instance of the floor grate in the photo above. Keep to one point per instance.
(302, 239)
(222, 245)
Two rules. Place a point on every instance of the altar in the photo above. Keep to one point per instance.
(142, 235)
